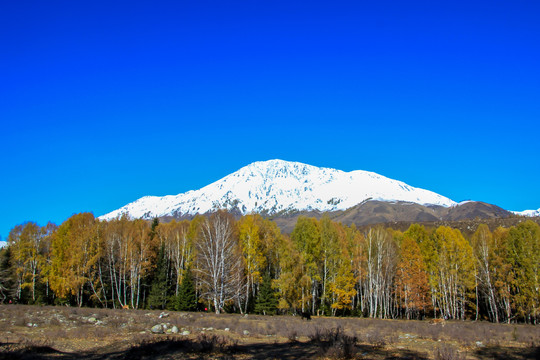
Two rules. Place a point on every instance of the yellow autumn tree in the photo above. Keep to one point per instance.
(503, 276)
(333, 254)
(271, 245)
(73, 254)
(306, 238)
(249, 228)
(455, 275)
(524, 256)
(411, 279)
(343, 288)
(29, 245)
(293, 284)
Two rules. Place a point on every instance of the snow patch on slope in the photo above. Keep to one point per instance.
(275, 186)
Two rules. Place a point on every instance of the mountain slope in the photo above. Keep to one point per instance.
(277, 186)
(379, 212)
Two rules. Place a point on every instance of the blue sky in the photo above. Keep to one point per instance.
(103, 103)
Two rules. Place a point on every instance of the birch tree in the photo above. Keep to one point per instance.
(306, 236)
(219, 261)
(26, 242)
(254, 261)
(179, 246)
(378, 272)
(482, 243)
(454, 278)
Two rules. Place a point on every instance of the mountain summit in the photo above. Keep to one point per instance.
(275, 186)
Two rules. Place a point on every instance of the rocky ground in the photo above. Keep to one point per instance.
(34, 332)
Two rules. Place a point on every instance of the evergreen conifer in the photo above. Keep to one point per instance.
(7, 289)
(187, 297)
(158, 292)
(266, 302)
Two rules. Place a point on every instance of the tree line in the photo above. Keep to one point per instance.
(247, 265)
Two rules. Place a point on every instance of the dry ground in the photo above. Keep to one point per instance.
(34, 332)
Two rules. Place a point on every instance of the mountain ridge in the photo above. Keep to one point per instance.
(383, 212)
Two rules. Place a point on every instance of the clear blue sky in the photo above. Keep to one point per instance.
(103, 103)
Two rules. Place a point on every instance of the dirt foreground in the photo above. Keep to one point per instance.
(34, 332)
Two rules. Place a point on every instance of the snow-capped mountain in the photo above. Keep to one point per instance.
(530, 213)
(274, 186)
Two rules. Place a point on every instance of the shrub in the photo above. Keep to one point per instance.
(375, 337)
(292, 336)
(448, 352)
(334, 343)
(211, 343)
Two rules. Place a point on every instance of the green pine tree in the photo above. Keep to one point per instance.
(158, 292)
(155, 224)
(266, 302)
(7, 285)
(187, 297)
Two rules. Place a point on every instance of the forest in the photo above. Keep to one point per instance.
(221, 263)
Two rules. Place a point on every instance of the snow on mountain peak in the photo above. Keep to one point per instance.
(276, 185)
(528, 213)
